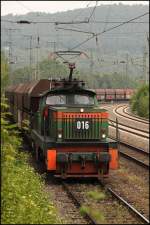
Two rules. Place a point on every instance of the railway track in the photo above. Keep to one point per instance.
(129, 116)
(76, 199)
(134, 154)
(137, 118)
(129, 129)
(129, 206)
(75, 215)
(133, 159)
(77, 202)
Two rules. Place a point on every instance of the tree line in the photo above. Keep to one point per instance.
(140, 101)
(48, 69)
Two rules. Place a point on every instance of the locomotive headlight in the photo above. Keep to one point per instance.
(59, 135)
(103, 135)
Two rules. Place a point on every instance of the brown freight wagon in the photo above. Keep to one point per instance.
(109, 94)
(120, 94)
(100, 94)
(24, 98)
(9, 94)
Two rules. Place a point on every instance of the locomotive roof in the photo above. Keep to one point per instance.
(42, 87)
(68, 90)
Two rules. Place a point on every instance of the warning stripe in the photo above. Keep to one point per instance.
(61, 115)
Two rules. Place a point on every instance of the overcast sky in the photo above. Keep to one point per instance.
(23, 7)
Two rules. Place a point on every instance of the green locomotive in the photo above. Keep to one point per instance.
(67, 128)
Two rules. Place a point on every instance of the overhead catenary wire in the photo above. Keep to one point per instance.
(74, 22)
(101, 21)
(80, 11)
(89, 22)
(22, 4)
(108, 14)
(111, 28)
(49, 22)
(93, 11)
(86, 32)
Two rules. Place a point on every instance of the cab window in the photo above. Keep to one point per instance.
(56, 100)
(83, 100)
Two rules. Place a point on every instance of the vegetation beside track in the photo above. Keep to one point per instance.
(140, 102)
(24, 200)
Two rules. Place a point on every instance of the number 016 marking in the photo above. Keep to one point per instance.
(82, 125)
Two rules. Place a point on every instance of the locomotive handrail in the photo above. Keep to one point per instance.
(117, 132)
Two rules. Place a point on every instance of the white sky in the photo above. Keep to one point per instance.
(23, 7)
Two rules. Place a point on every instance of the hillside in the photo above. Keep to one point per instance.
(125, 43)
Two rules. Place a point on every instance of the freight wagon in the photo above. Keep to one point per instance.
(114, 94)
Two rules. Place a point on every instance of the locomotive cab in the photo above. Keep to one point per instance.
(73, 132)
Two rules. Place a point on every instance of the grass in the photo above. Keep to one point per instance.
(23, 199)
(95, 214)
(96, 195)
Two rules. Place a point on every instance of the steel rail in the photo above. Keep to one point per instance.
(146, 121)
(132, 147)
(132, 132)
(147, 132)
(128, 205)
(124, 202)
(131, 118)
(77, 203)
(138, 162)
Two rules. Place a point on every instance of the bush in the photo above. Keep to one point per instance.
(23, 198)
(140, 102)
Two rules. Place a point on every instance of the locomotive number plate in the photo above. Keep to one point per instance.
(82, 124)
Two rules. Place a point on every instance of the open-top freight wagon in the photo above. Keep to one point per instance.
(68, 130)
(116, 95)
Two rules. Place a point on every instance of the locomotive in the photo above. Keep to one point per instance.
(68, 129)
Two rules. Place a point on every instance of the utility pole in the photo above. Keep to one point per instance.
(37, 70)
(147, 39)
(30, 56)
(144, 66)
(126, 64)
(54, 45)
(91, 63)
(148, 57)
(10, 53)
(54, 50)
(127, 60)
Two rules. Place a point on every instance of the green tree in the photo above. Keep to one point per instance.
(140, 101)
(47, 69)
(4, 72)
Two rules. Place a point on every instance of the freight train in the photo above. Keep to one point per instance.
(107, 95)
(67, 128)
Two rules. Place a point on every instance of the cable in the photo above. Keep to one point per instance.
(30, 10)
(73, 22)
(86, 32)
(93, 11)
(96, 21)
(111, 28)
(108, 14)
(81, 12)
